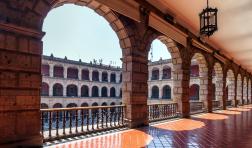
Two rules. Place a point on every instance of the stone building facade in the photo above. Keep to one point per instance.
(68, 83)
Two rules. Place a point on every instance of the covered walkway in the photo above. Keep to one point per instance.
(224, 128)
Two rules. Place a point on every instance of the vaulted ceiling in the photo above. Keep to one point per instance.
(234, 35)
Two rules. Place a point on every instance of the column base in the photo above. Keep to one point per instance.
(34, 141)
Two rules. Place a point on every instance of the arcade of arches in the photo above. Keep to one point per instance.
(21, 52)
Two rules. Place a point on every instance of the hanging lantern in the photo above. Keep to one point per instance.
(208, 21)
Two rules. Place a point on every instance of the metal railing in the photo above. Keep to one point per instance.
(158, 112)
(196, 106)
(216, 104)
(60, 123)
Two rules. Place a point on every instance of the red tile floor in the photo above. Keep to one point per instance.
(231, 128)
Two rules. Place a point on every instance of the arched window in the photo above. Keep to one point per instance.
(95, 91)
(45, 70)
(104, 76)
(167, 72)
(113, 77)
(72, 73)
(84, 105)
(57, 90)
(95, 76)
(45, 89)
(194, 92)
(58, 71)
(84, 91)
(112, 92)
(57, 105)
(155, 92)
(194, 71)
(44, 106)
(72, 91)
(71, 114)
(104, 104)
(85, 74)
(166, 92)
(104, 92)
(155, 74)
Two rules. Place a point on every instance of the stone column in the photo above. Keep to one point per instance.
(99, 91)
(235, 93)
(79, 89)
(134, 88)
(184, 104)
(242, 103)
(100, 76)
(50, 89)
(108, 91)
(90, 74)
(51, 68)
(160, 73)
(20, 105)
(109, 74)
(224, 98)
(79, 73)
(65, 71)
(209, 100)
(64, 90)
(117, 77)
(247, 93)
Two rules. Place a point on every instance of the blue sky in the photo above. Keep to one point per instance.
(80, 33)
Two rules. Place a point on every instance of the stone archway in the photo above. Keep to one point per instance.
(200, 60)
(245, 88)
(217, 80)
(230, 84)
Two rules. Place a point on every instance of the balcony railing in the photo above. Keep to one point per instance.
(196, 107)
(68, 122)
(216, 104)
(158, 112)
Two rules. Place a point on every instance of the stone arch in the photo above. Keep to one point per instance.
(72, 90)
(95, 91)
(112, 103)
(104, 76)
(57, 105)
(200, 60)
(84, 104)
(112, 92)
(245, 87)
(57, 89)
(104, 92)
(218, 81)
(166, 92)
(155, 73)
(72, 73)
(45, 69)
(44, 89)
(194, 93)
(85, 74)
(95, 75)
(230, 84)
(58, 71)
(155, 92)
(239, 89)
(71, 105)
(84, 91)
(44, 106)
(166, 72)
(113, 77)
(104, 104)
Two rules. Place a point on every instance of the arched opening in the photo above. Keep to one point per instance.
(84, 104)
(104, 92)
(72, 73)
(44, 106)
(239, 89)
(230, 84)
(154, 92)
(72, 90)
(85, 74)
(57, 105)
(194, 92)
(104, 104)
(84, 91)
(155, 74)
(57, 90)
(112, 92)
(166, 92)
(194, 69)
(166, 72)
(113, 78)
(104, 76)
(71, 114)
(95, 91)
(45, 115)
(44, 89)
(45, 70)
(218, 82)
(95, 76)
(58, 72)
(60, 114)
